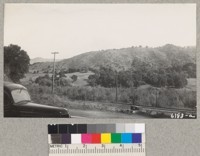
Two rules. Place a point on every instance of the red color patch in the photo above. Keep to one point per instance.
(96, 138)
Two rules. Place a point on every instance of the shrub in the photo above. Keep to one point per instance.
(74, 77)
(143, 95)
(44, 80)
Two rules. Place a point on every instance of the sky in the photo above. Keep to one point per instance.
(72, 29)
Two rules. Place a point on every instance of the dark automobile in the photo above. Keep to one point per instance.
(17, 103)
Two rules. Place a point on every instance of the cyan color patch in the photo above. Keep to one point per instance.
(126, 137)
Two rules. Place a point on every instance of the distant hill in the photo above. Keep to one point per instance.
(40, 59)
(119, 59)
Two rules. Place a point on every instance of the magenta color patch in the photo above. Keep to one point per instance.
(86, 138)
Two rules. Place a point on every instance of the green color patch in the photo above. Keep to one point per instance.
(116, 137)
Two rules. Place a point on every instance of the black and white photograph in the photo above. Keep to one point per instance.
(125, 61)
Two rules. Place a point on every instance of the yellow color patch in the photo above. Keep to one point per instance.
(106, 138)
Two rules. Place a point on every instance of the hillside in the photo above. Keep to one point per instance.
(119, 59)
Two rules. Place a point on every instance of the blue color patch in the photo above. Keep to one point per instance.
(137, 138)
(126, 137)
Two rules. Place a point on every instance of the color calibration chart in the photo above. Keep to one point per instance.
(119, 139)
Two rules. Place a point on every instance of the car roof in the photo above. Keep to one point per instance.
(12, 86)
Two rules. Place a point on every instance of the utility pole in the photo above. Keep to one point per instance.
(157, 97)
(116, 85)
(53, 76)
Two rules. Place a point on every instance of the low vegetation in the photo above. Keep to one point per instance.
(143, 95)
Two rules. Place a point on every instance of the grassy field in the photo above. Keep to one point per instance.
(81, 78)
(99, 98)
(81, 96)
(30, 77)
(192, 84)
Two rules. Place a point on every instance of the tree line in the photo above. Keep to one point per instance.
(16, 62)
(140, 73)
